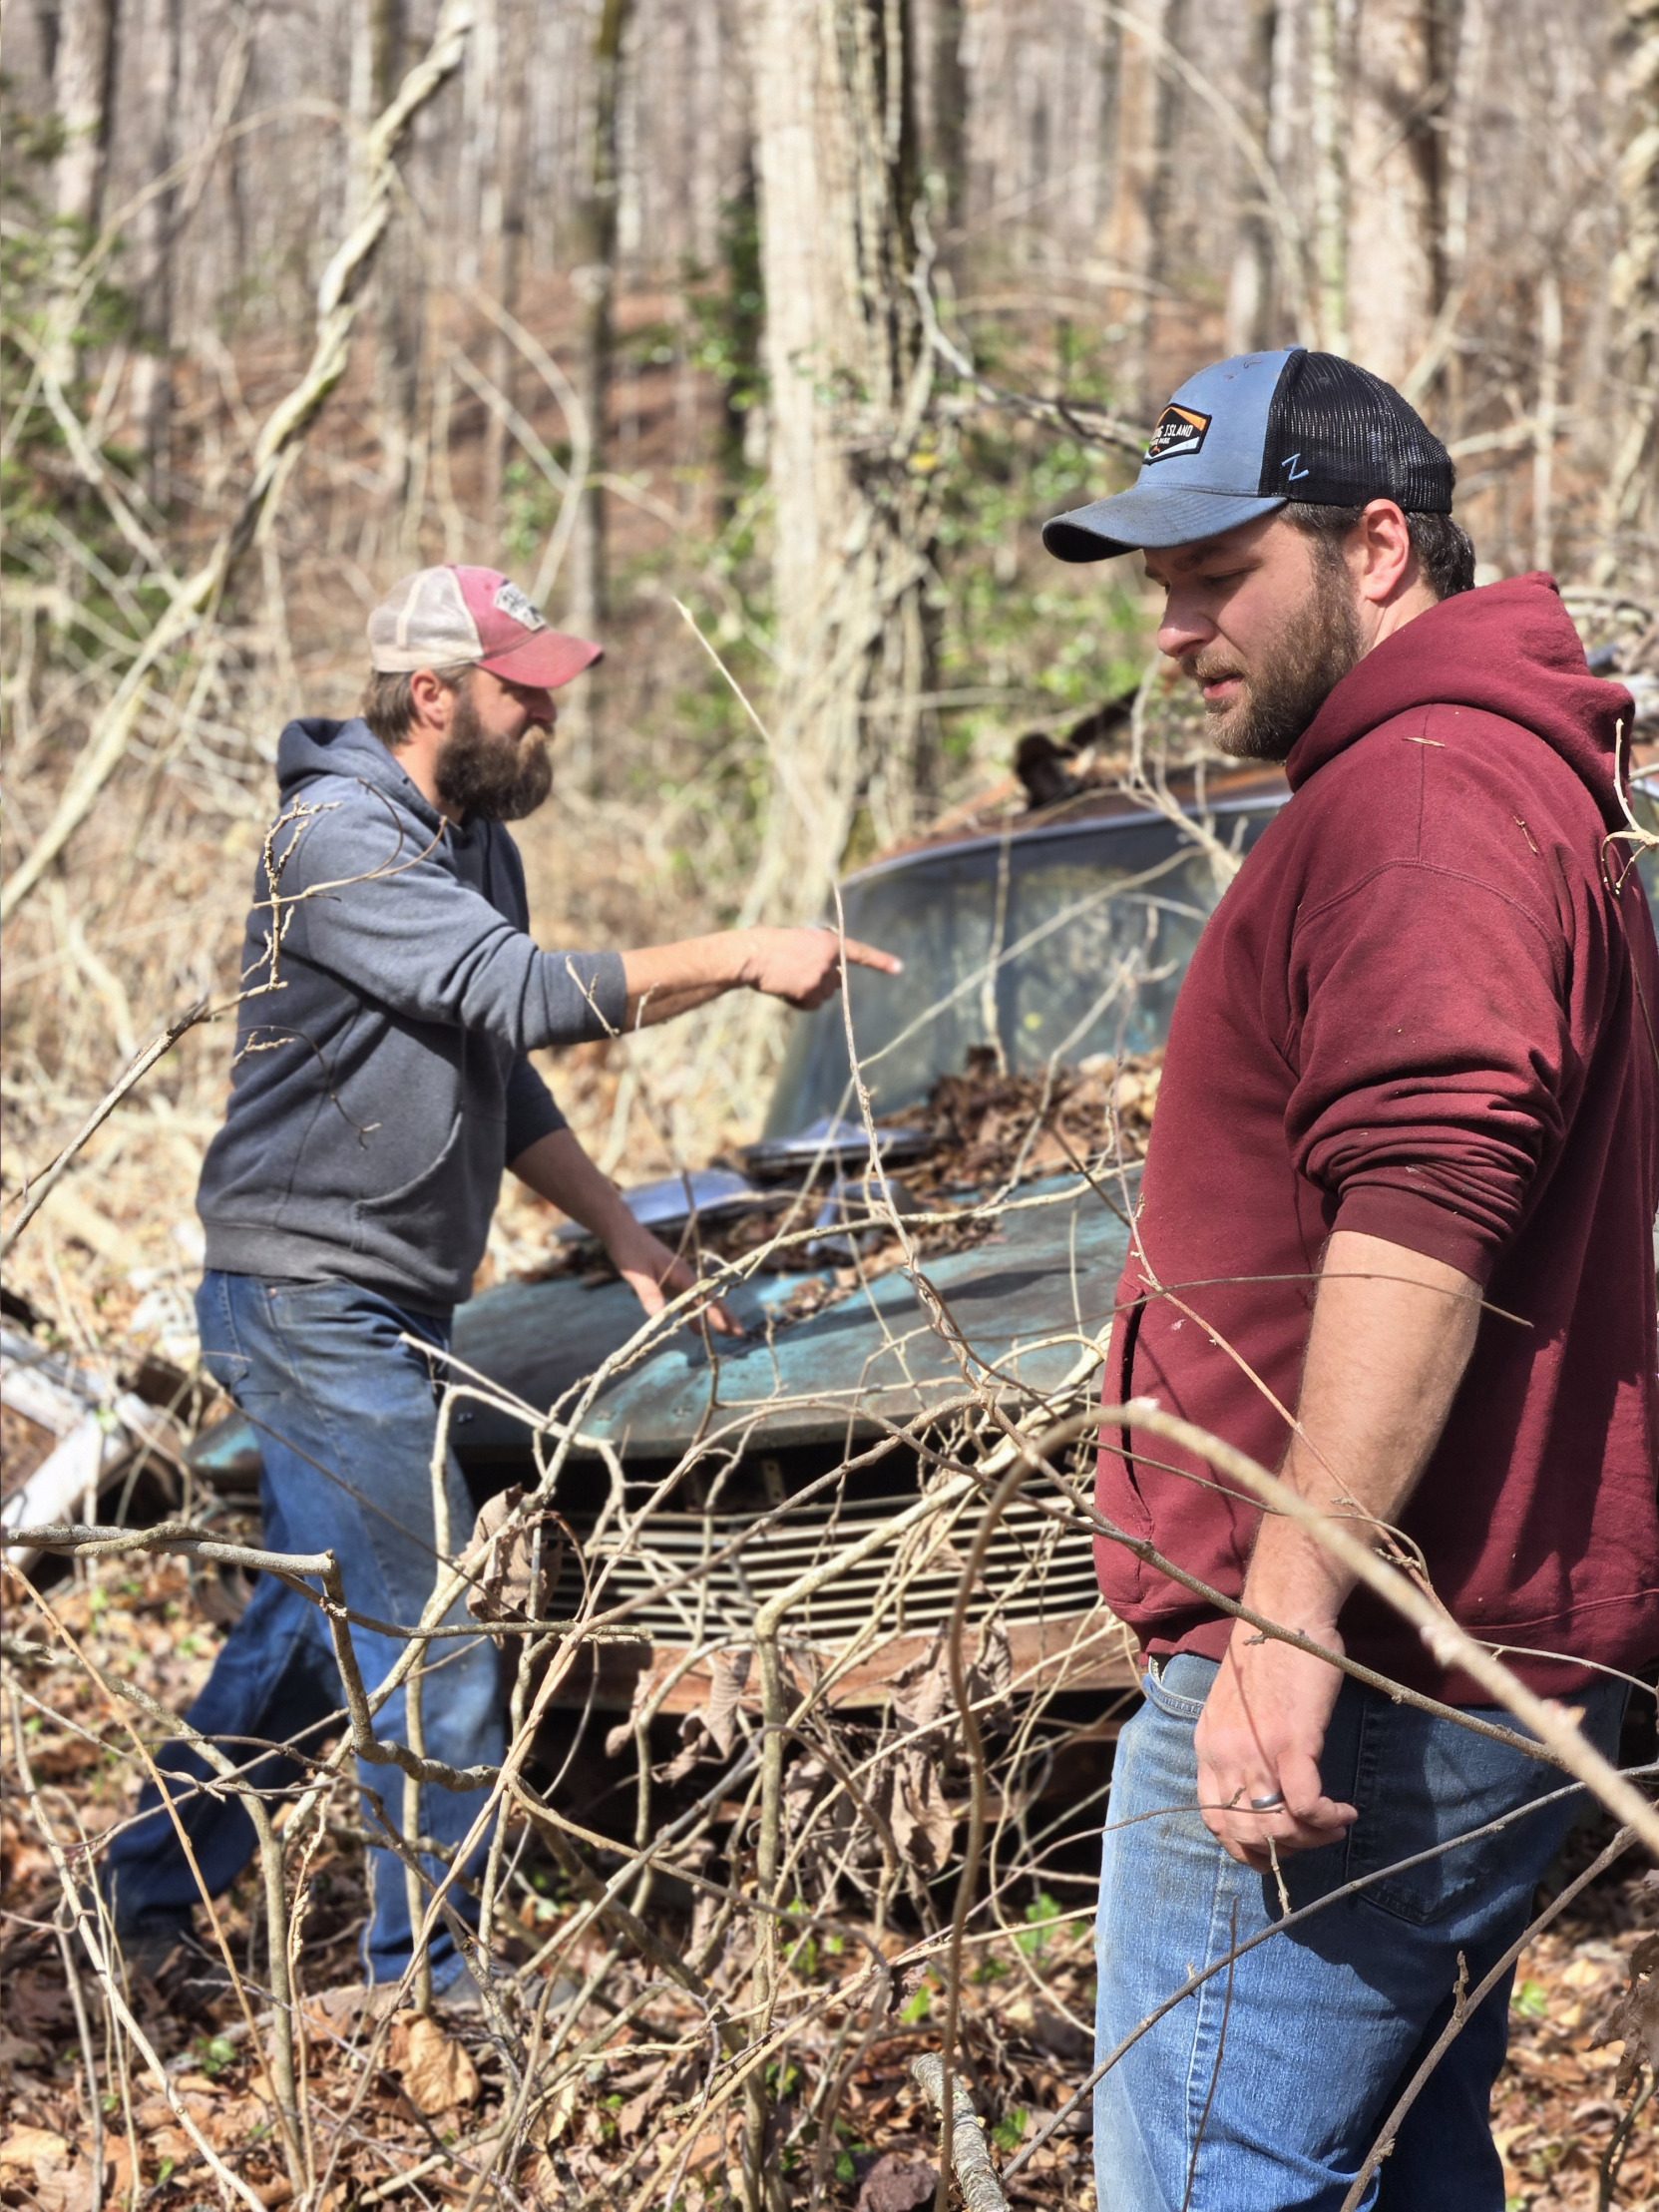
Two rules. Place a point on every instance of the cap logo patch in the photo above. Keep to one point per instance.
(511, 601)
(1181, 430)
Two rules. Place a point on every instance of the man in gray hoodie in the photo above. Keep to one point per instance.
(392, 996)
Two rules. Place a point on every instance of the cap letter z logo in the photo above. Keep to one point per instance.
(1181, 430)
(1296, 474)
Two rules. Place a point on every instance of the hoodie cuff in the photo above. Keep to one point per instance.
(608, 988)
(1420, 1224)
(585, 996)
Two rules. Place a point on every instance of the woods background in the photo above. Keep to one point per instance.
(802, 312)
(756, 338)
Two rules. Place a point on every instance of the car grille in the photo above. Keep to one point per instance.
(1039, 1570)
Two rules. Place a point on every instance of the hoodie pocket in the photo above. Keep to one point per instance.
(423, 1209)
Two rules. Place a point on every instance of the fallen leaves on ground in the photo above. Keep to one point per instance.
(438, 2075)
(1559, 2101)
(389, 2093)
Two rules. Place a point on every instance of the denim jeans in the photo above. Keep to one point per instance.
(1264, 2091)
(347, 1418)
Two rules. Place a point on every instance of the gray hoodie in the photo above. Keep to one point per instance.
(382, 1086)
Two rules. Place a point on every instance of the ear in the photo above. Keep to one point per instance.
(1381, 554)
(434, 702)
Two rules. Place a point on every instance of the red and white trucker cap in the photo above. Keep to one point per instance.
(450, 618)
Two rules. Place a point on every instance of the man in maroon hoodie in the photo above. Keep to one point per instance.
(1395, 1240)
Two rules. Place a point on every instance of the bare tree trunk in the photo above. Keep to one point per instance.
(1467, 72)
(849, 456)
(400, 291)
(1250, 296)
(1635, 302)
(81, 66)
(511, 119)
(947, 148)
(160, 44)
(46, 14)
(594, 280)
(82, 63)
(1329, 179)
(1545, 421)
(1132, 239)
(1395, 184)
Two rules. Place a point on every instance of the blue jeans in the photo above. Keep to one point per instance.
(1264, 2091)
(346, 1416)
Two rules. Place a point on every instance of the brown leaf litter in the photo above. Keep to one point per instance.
(985, 1131)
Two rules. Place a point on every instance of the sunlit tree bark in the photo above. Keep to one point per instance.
(850, 446)
(1635, 297)
(1395, 184)
(594, 280)
(82, 59)
(1134, 234)
(157, 70)
(1250, 291)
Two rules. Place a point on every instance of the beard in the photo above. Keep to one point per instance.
(1292, 675)
(478, 772)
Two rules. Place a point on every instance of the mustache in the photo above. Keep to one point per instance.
(1199, 667)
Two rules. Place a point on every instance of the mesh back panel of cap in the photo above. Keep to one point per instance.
(1338, 436)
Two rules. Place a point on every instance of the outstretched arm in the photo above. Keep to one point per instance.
(1392, 1334)
(557, 1168)
(800, 966)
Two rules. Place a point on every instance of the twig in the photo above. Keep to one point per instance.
(156, 1050)
(963, 2132)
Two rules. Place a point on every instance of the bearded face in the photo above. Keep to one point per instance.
(480, 771)
(1285, 679)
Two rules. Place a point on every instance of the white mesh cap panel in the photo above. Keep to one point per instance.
(424, 622)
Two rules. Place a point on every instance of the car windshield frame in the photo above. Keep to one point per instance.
(1006, 884)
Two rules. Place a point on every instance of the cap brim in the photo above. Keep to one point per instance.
(1149, 516)
(546, 660)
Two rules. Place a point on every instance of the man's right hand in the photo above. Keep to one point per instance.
(803, 966)
(1260, 1735)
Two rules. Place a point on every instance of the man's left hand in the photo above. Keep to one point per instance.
(1260, 1735)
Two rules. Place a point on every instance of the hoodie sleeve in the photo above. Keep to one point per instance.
(531, 1110)
(1432, 1054)
(375, 910)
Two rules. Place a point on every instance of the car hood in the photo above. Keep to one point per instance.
(1031, 1303)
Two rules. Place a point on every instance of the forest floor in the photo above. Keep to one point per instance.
(401, 2109)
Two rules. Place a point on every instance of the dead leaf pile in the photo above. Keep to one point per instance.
(911, 1816)
(984, 1129)
(982, 1124)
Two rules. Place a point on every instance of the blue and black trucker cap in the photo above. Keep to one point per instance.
(1244, 435)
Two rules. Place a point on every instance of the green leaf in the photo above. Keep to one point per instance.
(1010, 2130)
(845, 2170)
(1033, 1939)
(1530, 2001)
(215, 2053)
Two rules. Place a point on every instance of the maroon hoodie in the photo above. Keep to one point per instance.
(1424, 1010)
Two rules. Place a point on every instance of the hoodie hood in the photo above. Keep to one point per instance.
(1508, 649)
(313, 747)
